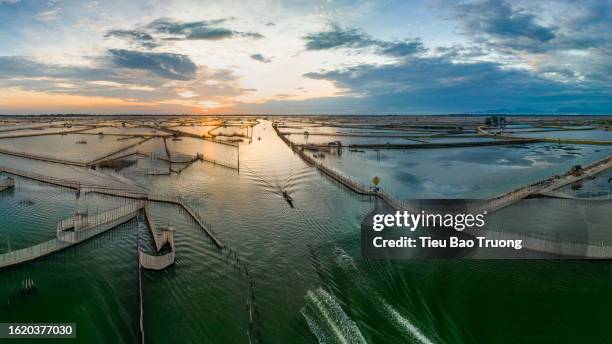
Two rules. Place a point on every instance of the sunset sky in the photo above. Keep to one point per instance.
(294, 57)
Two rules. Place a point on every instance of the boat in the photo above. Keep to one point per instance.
(82, 141)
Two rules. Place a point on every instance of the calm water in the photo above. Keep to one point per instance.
(310, 282)
(65, 146)
(365, 140)
(474, 172)
(599, 135)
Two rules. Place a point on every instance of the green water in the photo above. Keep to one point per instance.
(310, 283)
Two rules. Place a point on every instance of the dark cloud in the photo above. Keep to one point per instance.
(197, 30)
(575, 45)
(191, 30)
(438, 85)
(207, 33)
(167, 65)
(170, 26)
(139, 37)
(18, 66)
(504, 27)
(585, 24)
(253, 35)
(403, 48)
(107, 79)
(102, 80)
(570, 64)
(156, 32)
(596, 13)
(497, 18)
(337, 37)
(260, 58)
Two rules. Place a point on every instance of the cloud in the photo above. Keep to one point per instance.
(190, 30)
(337, 37)
(565, 41)
(437, 84)
(18, 66)
(401, 48)
(497, 18)
(167, 65)
(543, 28)
(260, 58)
(140, 37)
(99, 80)
(510, 55)
(128, 80)
(96, 81)
(153, 34)
(197, 30)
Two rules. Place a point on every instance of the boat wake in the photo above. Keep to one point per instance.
(282, 189)
(400, 322)
(328, 321)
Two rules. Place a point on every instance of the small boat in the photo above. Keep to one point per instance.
(82, 141)
(288, 198)
(177, 139)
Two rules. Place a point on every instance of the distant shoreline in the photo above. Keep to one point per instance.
(541, 115)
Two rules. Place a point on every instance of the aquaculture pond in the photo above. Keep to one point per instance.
(73, 147)
(309, 281)
(595, 135)
(464, 172)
